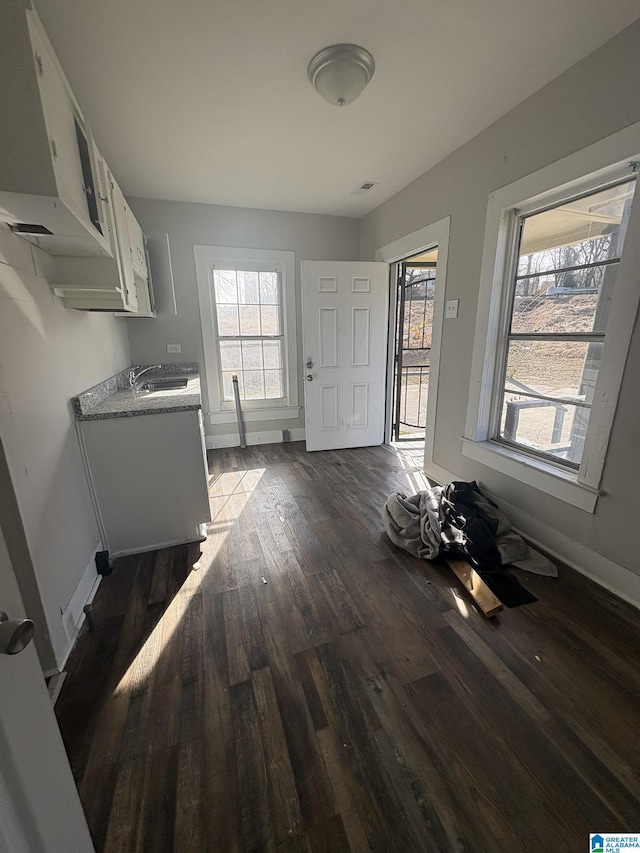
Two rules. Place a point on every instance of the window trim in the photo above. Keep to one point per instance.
(208, 258)
(519, 215)
(585, 171)
(249, 266)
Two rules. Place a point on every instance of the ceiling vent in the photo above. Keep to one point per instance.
(364, 187)
(28, 228)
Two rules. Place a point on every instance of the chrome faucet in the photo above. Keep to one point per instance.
(135, 374)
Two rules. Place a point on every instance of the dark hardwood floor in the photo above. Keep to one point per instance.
(308, 687)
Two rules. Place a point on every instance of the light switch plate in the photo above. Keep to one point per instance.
(174, 348)
(451, 309)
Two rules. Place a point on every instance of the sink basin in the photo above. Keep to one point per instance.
(165, 384)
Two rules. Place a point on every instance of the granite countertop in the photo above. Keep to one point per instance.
(113, 398)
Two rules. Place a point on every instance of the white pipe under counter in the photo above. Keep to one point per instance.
(145, 458)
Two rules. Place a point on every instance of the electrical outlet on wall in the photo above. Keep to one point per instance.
(451, 309)
(174, 347)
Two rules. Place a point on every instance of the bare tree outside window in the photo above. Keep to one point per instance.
(248, 308)
(561, 297)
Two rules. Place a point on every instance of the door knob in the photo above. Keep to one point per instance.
(309, 377)
(15, 634)
(309, 362)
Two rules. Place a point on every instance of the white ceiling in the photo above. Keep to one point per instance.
(208, 100)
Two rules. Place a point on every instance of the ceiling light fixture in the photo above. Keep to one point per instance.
(341, 72)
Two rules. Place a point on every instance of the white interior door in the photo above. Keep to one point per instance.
(40, 810)
(344, 328)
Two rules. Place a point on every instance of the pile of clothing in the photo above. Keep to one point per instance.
(458, 522)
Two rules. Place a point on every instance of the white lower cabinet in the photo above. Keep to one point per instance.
(149, 479)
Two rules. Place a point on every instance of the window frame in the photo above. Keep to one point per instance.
(259, 268)
(210, 258)
(600, 165)
(520, 214)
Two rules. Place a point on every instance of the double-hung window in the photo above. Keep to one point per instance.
(557, 303)
(248, 316)
(248, 310)
(559, 298)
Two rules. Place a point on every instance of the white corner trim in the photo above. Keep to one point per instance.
(73, 615)
(440, 475)
(273, 436)
(534, 472)
(252, 415)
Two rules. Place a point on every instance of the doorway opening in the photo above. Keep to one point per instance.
(416, 286)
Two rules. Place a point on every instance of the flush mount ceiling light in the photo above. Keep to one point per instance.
(341, 72)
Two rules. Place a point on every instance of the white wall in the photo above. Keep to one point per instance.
(310, 236)
(48, 354)
(592, 100)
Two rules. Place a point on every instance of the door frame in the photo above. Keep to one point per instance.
(397, 361)
(436, 234)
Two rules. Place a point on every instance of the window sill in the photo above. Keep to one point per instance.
(279, 413)
(537, 473)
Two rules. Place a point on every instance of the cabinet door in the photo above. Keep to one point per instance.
(120, 215)
(148, 479)
(60, 120)
(105, 209)
(136, 239)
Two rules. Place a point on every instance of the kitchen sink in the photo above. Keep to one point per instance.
(165, 384)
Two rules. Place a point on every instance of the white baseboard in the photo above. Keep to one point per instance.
(616, 578)
(273, 436)
(612, 576)
(73, 616)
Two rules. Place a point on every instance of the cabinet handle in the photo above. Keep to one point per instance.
(39, 64)
(54, 150)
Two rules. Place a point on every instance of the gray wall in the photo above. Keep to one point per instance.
(310, 236)
(48, 354)
(595, 98)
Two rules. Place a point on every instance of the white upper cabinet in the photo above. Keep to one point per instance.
(47, 182)
(61, 121)
(55, 188)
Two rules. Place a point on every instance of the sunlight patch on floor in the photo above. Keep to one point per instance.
(460, 603)
(411, 458)
(229, 496)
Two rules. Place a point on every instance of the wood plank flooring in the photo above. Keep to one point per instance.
(309, 687)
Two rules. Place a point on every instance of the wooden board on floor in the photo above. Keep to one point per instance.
(476, 587)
